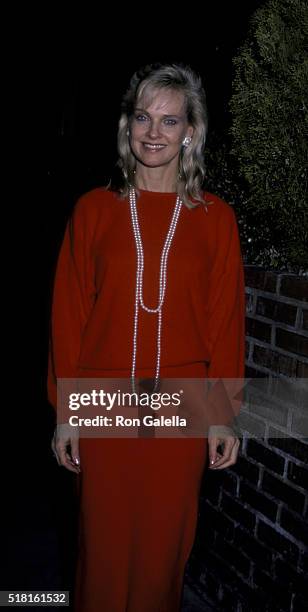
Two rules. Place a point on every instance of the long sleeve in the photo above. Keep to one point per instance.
(73, 298)
(226, 323)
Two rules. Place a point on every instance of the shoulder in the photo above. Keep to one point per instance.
(93, 210)
(218, 208)
(220, 220)
(220, 214)
(94, 201)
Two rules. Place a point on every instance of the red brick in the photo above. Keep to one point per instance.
(283, 491)
(251, 372)
(260, 279)
(258, 329)
(295, 287)
(280, 594)
(292, 342)
(303, 562)
(301, 369)
(277, 362)
(298, 475)
(305, 319)
(218, 521)
(249, 303)
(300, 425)
(258, 501)
(279, 542)
(232, 555)
(246, 468)
(254, 549)
(294, 579)
(295, 525)
(254, 426)
(277, 311)
(291, 446)
(285, 390)
(266, 406)
(237, 512)
(230, 482)
(265, 456)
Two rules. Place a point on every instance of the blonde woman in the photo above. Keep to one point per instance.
(149, 284)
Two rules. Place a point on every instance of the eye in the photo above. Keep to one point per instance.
(140, 117)
(170, 122)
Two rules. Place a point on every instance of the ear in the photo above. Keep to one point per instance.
(190, 131)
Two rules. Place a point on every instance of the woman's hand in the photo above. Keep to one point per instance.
(220, 434)
(65, 447)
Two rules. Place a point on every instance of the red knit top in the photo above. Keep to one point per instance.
(95, 285)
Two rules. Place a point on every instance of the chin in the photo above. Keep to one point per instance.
(152, 161)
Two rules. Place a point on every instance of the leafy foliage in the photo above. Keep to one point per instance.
(269, 133)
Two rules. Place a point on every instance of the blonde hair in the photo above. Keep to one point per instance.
(191, 162)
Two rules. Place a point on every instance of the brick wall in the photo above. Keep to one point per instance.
(251, 548)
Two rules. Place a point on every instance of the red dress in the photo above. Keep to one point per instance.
(139, 496)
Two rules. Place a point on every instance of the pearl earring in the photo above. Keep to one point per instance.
(186, 142)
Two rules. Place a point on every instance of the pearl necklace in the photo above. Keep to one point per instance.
(139, 279)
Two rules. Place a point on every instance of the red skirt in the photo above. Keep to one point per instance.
(138, 514)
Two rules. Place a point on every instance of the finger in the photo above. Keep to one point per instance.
(54, 452)
(227, 450)
(227, 446)
(55, 456)
(75, 451)
(53, 445)
(231, 460)
(66, 460)
(213, 442)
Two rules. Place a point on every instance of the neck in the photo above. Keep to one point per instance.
(156, 179)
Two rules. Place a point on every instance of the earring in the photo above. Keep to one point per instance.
(186, 142)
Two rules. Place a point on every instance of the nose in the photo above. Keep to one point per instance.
(153, 130)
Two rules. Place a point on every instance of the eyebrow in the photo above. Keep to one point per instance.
(146, 113)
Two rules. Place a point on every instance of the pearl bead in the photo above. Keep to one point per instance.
(139, 279)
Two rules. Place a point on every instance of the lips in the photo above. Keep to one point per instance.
(153, 147)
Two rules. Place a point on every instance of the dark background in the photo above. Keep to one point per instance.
(74, 71)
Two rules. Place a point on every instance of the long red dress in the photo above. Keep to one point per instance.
(139, 496)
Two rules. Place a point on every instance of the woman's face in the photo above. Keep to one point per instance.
(158, 128)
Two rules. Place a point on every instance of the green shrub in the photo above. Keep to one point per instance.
(222, 179)
(269, 133)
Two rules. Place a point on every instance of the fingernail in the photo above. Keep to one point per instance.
(212, 461)
(76, 460)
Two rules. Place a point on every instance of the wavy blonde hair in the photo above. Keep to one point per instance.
(176, 77)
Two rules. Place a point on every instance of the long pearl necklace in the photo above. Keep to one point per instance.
(139, 279)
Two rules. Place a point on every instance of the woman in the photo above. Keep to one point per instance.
(149, 284)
